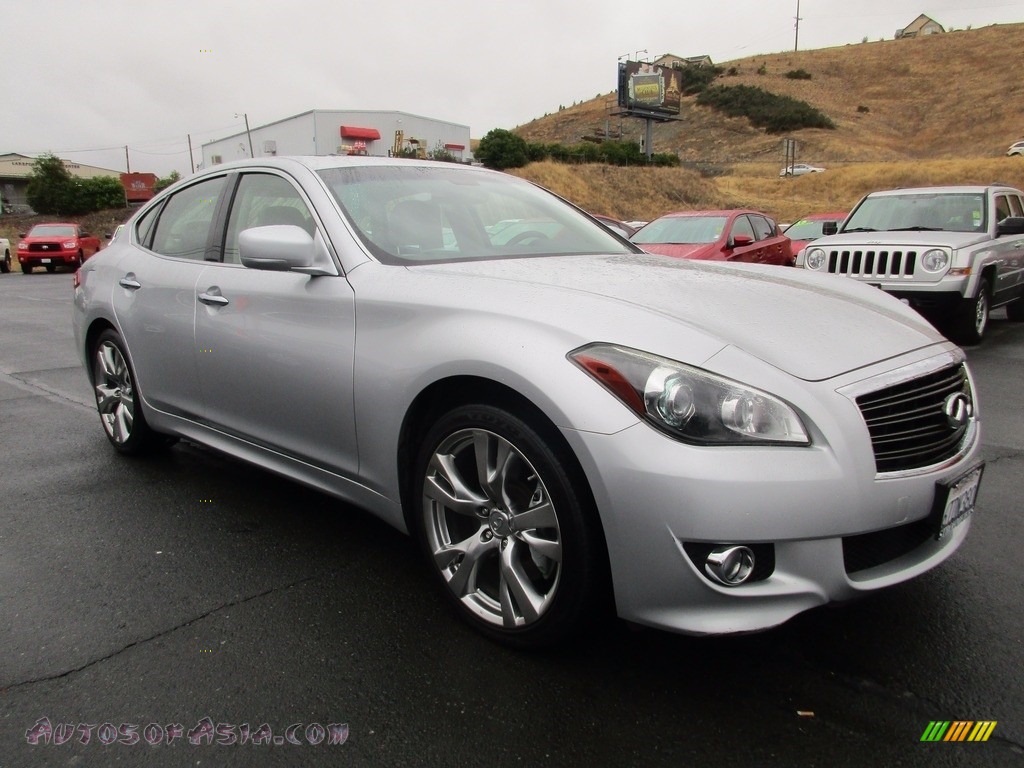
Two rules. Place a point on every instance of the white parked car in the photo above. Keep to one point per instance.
(563, 422)
(800, 169)
(1017, 148)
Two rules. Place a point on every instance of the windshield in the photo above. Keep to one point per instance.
(945, 212)
(51, 230)
(682, 229)
(805, 229)
(416, 214)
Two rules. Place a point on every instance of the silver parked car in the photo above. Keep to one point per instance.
(562, 421)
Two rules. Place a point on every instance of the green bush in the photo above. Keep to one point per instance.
(696, 79)
(52, 190)
(776, 114)
(501, 149)
(798, 74)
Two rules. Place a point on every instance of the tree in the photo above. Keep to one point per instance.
(166, 181)
(501, 149)
(50, 186)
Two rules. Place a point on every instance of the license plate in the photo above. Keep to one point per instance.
(958, 500)
(44, 261)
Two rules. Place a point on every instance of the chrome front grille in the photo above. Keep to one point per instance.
(873, 265)
(920, 422)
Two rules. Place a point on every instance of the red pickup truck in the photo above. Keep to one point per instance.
(55, 245)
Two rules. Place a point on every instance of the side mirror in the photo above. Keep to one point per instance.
(1012, 225)
(278, 248)
(829, 228)
(739, 241)
(22, 234)
(109, 235)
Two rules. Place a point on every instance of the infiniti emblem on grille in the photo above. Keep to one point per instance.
(958, 410)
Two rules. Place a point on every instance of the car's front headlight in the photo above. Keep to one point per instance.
(689, 403)
(815, 258)
(935, 260)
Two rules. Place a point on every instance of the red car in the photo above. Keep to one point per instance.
(737, 235)
(809, 228)
(55, 245)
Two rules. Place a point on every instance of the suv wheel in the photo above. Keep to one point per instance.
(5, 264)
(971, 319)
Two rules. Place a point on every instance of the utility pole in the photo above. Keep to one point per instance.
(796, 41)
(127, 162)
(246, 116)
(190, 158)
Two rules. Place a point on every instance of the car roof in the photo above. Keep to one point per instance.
(950, 189)
(725, 212)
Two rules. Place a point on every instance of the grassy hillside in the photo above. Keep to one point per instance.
(941, 96)
(645, 193)
(934, 110)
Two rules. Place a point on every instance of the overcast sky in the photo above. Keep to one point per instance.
(77, 76)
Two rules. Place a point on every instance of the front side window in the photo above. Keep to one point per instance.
(763, 229)
(183, 226)
(263, 199)
(742, 227)
(415, 214)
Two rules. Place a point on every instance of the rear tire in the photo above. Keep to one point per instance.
(51, 268)
(117, 400)
(507, 526)
(971, 318)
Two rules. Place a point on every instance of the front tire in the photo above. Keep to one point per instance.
(26, 269)
(507, 526)
(117, 399)
(971, 319)
(5, 265)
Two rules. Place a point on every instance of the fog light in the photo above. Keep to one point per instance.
(730, 566)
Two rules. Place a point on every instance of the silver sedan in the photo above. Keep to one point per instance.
(564, 423)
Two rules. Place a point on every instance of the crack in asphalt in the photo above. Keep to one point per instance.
(34, 388)
(157, 636)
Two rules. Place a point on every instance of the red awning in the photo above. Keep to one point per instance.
(355, 132)
(459, 147)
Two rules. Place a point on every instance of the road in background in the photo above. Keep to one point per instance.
(191, 586)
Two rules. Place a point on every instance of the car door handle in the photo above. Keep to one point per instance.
(129, 281)
(213, 299)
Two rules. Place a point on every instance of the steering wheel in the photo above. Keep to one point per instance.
(530, 234)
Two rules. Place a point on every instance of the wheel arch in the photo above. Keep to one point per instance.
(448, 393)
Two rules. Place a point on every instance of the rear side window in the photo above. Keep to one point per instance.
(183, 226)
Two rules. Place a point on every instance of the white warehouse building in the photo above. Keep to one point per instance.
(343, 132)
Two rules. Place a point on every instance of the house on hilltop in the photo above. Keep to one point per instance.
(922, 25)
(671, 60)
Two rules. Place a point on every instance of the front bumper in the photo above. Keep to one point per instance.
(44, 258)
(658, 498)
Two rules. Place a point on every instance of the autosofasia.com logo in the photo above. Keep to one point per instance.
(959, 730)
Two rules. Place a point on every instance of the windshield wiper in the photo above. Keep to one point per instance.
(860, 229)
(916, 229)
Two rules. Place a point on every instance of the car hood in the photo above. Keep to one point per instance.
(926, 239)
(680, 250)
(800, 322)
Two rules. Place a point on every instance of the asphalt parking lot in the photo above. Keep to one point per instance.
(192, 590)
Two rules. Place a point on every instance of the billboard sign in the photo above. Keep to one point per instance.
(649, 88)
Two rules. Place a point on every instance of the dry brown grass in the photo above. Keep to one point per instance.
(645, 193)
(941, 96)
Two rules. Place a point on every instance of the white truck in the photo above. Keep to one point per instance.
(5, 255)
(953, 253)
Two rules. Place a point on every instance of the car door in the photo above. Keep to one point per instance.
(275, 349)
(1010, 250)
(154, 299)
(747, 250)
(773, 248)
